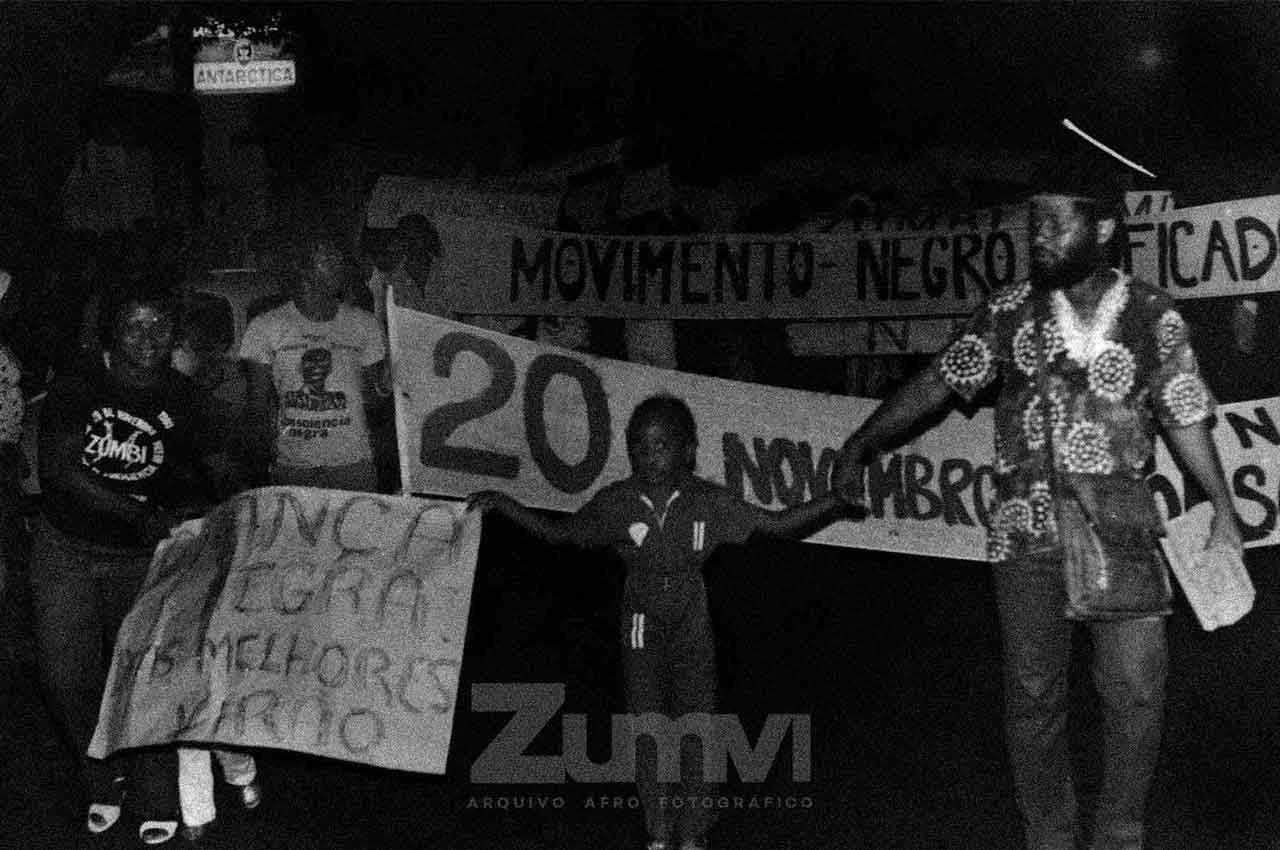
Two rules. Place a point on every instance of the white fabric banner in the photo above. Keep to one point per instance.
(1209, 251)
(320, 621)
(480, 410)
(488, 265)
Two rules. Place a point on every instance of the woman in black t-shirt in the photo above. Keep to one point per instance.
(116, 429)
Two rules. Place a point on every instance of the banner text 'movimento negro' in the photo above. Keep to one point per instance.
(679, 271)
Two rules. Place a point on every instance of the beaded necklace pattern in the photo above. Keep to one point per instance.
(1084, 341)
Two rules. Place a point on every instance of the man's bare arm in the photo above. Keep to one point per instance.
(923, 395)
(1195, 447)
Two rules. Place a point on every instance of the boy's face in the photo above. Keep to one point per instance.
(659, 452)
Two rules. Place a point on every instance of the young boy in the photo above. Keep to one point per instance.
(664, 522)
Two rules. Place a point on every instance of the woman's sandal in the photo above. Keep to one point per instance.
(157, 831)
(102, 816)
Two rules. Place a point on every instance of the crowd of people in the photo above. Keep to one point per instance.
(1089, 364)
(129, 445)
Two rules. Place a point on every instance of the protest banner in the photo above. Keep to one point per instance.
(479, 410)
(1215, 250)
(320, 621)
(395, 196)
(1248, 441)
(488, 266)
(494, 265)
(1011, 217)
(871, 337)
(1210, 251)
(1152, 202)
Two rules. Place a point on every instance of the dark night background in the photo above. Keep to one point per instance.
(1186, 89)
(895, 658)
(951, 93)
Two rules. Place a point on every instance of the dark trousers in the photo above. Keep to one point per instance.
(672, 672)
(80, 594)
(1130, 662)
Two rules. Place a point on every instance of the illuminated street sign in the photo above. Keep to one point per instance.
(242, 65)
(260, 76)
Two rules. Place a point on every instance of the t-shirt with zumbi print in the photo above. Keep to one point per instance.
(134, 441)
(1108, 382)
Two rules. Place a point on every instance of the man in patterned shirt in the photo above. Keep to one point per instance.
(1116, 362)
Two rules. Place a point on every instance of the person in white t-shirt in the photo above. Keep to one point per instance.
(317, 369)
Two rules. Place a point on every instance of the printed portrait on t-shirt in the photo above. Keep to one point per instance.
(314, 369)
(315, 366)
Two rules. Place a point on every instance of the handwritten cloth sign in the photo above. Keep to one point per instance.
(321, 621)
(1209, 251)
(480, 410)
(491, 265)
(1248, 440)
(488, 266)
(1148, 202)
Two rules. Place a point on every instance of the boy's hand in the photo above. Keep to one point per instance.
(847, 481)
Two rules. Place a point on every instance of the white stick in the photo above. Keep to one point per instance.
(1066, 122)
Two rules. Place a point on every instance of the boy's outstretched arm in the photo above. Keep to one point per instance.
(803, 518)
(543, 527)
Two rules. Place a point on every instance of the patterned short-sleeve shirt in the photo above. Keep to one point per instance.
(1100, 400)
